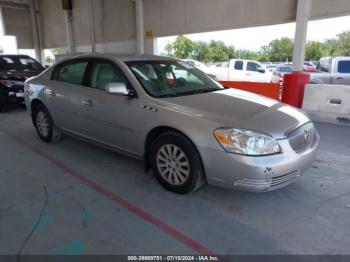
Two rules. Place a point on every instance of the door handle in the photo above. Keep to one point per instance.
(50, 92)
(340, 78)
(335, 101)
(87, 103)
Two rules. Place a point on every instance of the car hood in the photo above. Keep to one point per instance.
(240, 109)
(19, 75)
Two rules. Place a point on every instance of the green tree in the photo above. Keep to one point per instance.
(330, 46)
(169, 49)
(220, 52)
(1, 50)
(280, 50)
(247, 54)
(183, 47)
(55, 51)
(201, 52)
(314, 50)
(343, 44)
(263, 55)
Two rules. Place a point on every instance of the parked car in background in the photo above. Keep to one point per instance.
(271, 67)
(332, 70)
(316, 63)
(14, 70)
(241, 70)
(277, 75)
(309, 67)
(186, 126)
(199, 66)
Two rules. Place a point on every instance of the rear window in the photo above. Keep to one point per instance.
(344, 67)
(284, 69)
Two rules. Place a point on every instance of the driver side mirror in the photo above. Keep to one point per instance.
(261, 70)
(119, 89)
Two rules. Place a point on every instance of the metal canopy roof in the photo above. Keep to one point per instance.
(114, 20)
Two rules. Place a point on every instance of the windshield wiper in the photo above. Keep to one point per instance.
(193, 92)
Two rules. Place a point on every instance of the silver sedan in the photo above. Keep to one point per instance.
(184, 125)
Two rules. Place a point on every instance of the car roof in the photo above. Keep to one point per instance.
(124, 57)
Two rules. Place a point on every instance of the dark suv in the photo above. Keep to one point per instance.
(14, 70)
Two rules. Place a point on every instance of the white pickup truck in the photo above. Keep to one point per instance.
(334, 71)
(241, 70)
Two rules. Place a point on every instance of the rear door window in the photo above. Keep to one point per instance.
(344, 67)
(72, 72)
(239, 65)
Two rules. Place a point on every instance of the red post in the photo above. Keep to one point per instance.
(293, 88)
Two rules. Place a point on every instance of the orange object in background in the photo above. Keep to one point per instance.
(270, 90)
(293, 88)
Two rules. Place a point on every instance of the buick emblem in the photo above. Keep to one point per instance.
(306, 136)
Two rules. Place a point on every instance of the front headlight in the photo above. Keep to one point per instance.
(246, 142)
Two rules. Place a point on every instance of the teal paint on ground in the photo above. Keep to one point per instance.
(72, 248)
(46, 219)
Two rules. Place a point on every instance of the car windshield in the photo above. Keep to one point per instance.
(19, 63)
(172, 78)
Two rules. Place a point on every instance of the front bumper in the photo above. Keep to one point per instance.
(15, 97)
(256, 174)
(16, 94)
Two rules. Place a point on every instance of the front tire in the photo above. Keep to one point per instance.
(3, 105)
(44, 125)
(176, 163)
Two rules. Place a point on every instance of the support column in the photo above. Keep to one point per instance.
(69, 31)
(92, 28)
(294, 83)
(302, 19)
(140, 28)
(36, 30)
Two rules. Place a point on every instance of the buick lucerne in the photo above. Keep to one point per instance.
(185, 126)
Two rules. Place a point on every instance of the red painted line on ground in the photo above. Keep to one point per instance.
(197, 247)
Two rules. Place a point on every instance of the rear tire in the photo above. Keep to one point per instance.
(176, 163)
(44, 125)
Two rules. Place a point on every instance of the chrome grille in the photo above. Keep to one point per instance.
(285, 179)
(267, 184)
(303, 138)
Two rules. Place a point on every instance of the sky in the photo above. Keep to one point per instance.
(255, 37)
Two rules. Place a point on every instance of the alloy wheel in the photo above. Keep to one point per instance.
(42, 124)
(173, 164)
